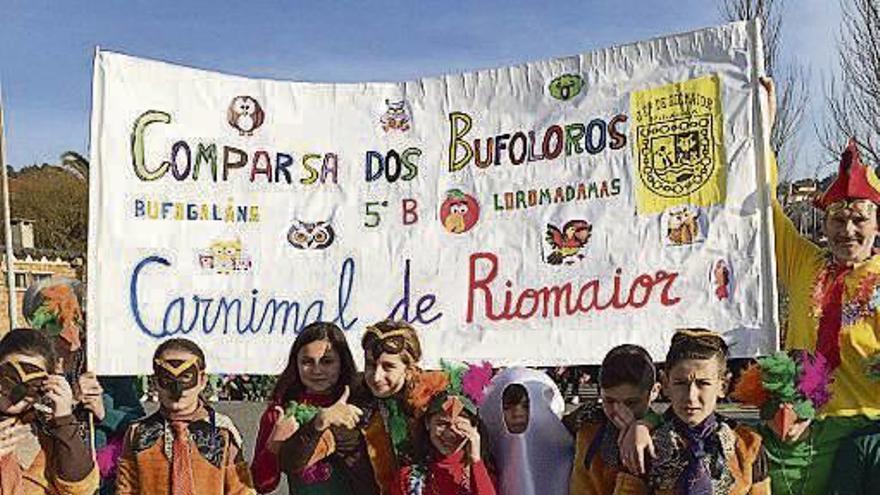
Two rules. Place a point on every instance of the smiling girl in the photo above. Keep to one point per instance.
(309, 429)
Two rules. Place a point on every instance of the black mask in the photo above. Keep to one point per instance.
(19, 379)
(177, 375)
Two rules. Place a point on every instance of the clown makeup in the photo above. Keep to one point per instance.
(515, 402)
(180, 380)
(21, 380)
(851, 227)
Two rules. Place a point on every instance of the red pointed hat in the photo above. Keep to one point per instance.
(854, 180)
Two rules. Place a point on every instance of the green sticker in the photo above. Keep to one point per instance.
(566, 86)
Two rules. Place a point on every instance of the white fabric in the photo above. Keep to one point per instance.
(538, 460)
(213, 256)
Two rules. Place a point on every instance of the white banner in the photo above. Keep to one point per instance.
(537, 214)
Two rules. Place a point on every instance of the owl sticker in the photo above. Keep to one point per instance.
(683, 226)
(396, 117)
(311, 235)
(245, 114)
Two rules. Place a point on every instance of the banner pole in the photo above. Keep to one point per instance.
(7, 229)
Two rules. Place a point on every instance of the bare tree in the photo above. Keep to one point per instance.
(792, 79)
(854, 99)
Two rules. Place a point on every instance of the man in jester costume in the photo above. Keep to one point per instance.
(834, 303)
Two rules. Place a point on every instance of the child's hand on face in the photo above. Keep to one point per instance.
(90, 394)
(622, 417)
(59, 392)
(339, 414)
(11, 434)
(284, 428)
(633, 438)
(462, 426)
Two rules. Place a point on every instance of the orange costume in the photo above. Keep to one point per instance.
(214, 464)
(733, 456)
(35, 468)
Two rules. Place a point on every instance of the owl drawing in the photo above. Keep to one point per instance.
(395, 117)
(683, 226)
(310, 235)
(245, 114)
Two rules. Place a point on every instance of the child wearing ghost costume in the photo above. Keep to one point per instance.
(533, 456)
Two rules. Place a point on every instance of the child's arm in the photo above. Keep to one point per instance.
(237, 478)
(481, 481)
(636, 441)
(127, 482)
(73, 467)
(315, 440)
(306, 446)
(265, 470)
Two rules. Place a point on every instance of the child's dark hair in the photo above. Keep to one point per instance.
(697, 343)
(514, 394)
(628, 364)
(183, 345)
(30, 343)
(289, 384)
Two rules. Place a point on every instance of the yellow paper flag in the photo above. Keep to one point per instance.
(679, 145)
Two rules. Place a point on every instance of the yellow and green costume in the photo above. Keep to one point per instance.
(834, 310)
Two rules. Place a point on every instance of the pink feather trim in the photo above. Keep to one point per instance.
(108, 457)
(475, 380)
(815, 379)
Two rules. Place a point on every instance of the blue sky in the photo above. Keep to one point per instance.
(46, 47)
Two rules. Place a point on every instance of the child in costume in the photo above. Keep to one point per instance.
(392, 421)
(628, 386)
(309, 429)
(454, 463)
(699, 452)
(788, 389)
(533, 455)
(184, 448)
(55, 307)
(41, 452)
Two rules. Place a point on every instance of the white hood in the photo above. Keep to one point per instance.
(538, 460)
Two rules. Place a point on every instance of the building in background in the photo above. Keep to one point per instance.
(32, 265)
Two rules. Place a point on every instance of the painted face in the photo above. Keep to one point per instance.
(443, 436)
(629, 396)
(179, 380)
(318, 365)
(694, 387)
(21, 379)
(851, 228)
(516, 416)
(385, 375)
